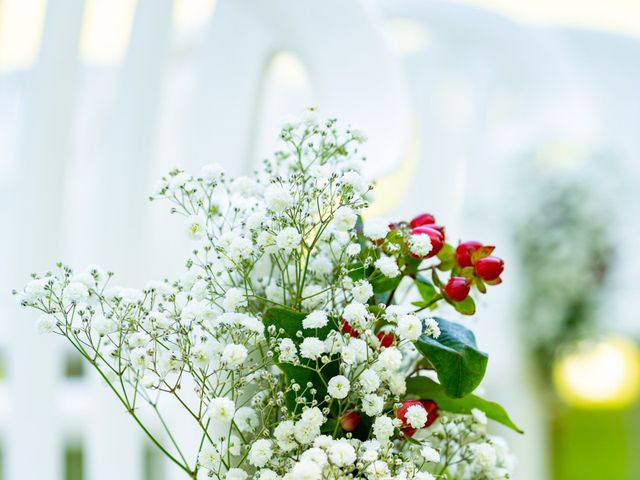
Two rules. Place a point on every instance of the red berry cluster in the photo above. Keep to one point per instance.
(473, 262)
(401, 413)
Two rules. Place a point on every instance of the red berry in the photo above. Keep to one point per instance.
(347, 328)
(386, 339)
(401, 414)
(350, 421)
(489, 268)
(457, 289)
(432, 411)
(435, 235)
(422, 219)
(463, 252)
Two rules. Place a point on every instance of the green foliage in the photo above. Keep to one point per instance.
(426, 389)
(455, 357)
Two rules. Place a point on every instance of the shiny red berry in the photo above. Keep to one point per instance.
(489, 268)
(422, 219)
(386, 339)
(432, 411)
(349, 421)
(463, 252)
(347, 328)
(457, 289)
(435, 235)
(401, 414)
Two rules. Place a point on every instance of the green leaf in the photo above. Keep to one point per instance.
(426, 389)
(465, 307)
(455, 357)
(290, 322)
(447, 258)
(385, 284)
(426, 288)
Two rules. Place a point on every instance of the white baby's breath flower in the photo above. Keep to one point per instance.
(45, 323)
(416, 416)
(316, 319)
(344, 219)
(195, 227)
(479, 416)
(362, 291)
(306, 470)
(277, 198)
(342, 453)
(388, 266)
(288, 239)
(409, 327)
(222, 409)
(339, 387)
(260, 453)
(234, 355)
(376, 229)
(369, 380)
(233, 299)
(353, 249)
(372, 404)
(212, 172)
(420, 245)
(383, 428)
(431, 327)
(355, 313)
(312, 348)
(76, 292)
(430, 454)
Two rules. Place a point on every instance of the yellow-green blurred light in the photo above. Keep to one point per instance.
(603, 374)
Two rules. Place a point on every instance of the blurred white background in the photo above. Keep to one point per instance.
(98, 98)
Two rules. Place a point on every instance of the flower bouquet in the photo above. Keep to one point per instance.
(301, 342)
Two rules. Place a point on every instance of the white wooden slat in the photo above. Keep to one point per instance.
(114, 442)
(34, 362)
(353, 74)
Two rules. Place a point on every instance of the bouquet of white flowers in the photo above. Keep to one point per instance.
(286, 341)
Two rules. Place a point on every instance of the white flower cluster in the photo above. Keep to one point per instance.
(273, 340)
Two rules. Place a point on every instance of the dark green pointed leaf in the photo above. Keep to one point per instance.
(426, 389)
(455, 357)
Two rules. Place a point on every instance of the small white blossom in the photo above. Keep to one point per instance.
(431, 327)
(316, 319)
(409, 327)
(416, 416)
(388, 266)
(420, 245)
(344, 219)
(234, 355)
(430, 454)
(288, 239)
(376, 230)
(339, 387)
(260, 453)
(312, 348)
(362, 291)
(277, 198)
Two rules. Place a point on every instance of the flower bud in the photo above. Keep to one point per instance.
(350, 421)
(489, 268)
(457, 289)
(422, 219)
(463, 252)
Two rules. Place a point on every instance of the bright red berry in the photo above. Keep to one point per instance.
(435, 235)
(386, 339)
(432, 411)
(457, 289)
(463, 252)
(401, 414)
(422, 219)
(489, 268)
(347, 328)
(349, 421)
